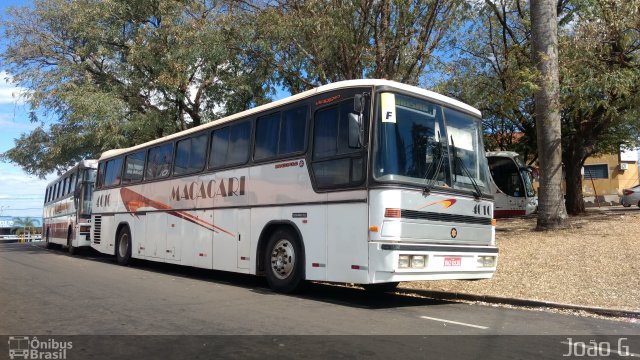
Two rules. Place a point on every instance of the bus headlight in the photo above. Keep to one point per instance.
(486, 261)
(404, 261)
(418, 261)
(412, 261)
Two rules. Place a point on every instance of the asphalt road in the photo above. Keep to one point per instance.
(49, 293)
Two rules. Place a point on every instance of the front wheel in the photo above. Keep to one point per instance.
(284, 262)
(123, 246)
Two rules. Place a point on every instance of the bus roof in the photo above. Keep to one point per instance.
(325, 88)
(89, 163)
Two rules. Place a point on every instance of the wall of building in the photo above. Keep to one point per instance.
(617, 179)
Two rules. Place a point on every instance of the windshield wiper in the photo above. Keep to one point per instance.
(457, 160)
(437, 152)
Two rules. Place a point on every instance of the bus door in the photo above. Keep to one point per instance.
(231, 230)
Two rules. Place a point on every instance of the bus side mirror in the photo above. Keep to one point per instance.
(355, 131)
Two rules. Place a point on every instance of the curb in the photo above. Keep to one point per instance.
(443, 295)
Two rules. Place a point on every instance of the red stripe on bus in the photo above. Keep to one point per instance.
(133, 201)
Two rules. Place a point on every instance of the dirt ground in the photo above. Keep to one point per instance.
(596, 262)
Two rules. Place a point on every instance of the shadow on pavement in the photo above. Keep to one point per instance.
(338, 294)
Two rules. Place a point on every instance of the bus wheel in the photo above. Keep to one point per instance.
(46, 238)
(123, 246)
(284, 262)
(72, 249)
(381, 288)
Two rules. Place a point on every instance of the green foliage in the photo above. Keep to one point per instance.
(311, 43)
(24, 225)
(116, 73)
(599, 68)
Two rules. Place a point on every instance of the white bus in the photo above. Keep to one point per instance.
(369, 182)
(67, 207)
(513, 190)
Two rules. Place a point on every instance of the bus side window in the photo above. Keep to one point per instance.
(100, 177)
(72, 184)
(159, 161)
(133, 167)
(292, 130)
(190, 154)
(230, 145)
(267, 136)
(281, 133)
(112, 172)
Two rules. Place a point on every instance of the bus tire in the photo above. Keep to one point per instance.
(123, 246)
(72, 249)
(381, 287)
(284, 261)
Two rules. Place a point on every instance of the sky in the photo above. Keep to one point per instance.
(20, 195)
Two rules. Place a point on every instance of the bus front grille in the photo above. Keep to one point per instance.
(97, 226)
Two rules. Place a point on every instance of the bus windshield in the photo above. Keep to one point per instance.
(413, 145)
(89, 177)
(526, 178)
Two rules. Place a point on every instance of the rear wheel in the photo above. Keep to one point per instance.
(284, 261)
(381, 288)
(123, 246)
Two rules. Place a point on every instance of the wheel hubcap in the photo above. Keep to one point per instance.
(123, 245)
(283, 258)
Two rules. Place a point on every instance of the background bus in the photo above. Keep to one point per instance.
(67, 207)
(513, 190)
(370, 182)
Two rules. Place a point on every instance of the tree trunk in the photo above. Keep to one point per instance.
(574, 201)
(552, 213)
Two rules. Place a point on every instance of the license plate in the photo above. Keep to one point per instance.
(452, 261)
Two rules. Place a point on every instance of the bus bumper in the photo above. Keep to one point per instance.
(390, 262)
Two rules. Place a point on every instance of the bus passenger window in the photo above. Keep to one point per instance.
(267, 136)
(100, 177)
(72, 183)
(112, 172)
(230, 145)
(293, 130)
(239, 143)
(133, 167)
(190, 155)
(159, 161)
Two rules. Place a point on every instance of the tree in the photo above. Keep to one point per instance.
(23, 225)
(116, 73)
(598, 80)
(552, 213)
(600, 92)
(312, 43)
